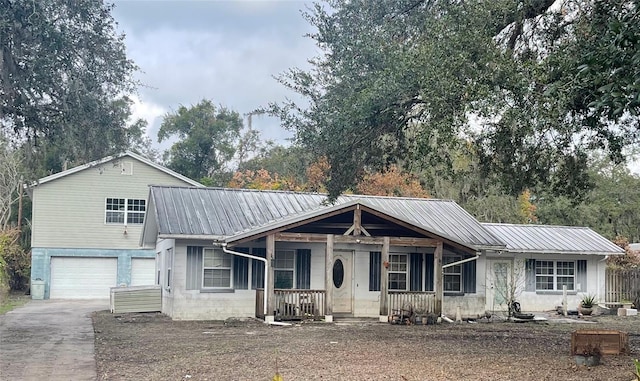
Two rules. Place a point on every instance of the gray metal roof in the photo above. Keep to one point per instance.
(220, 213)
(552, 239)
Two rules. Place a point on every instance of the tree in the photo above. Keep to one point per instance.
(11, 178)
(207, 139)
(263, 180)
(62, 67)
(391, 182)
(403, 81)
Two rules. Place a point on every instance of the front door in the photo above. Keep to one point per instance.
(500, 287)
(342, 282)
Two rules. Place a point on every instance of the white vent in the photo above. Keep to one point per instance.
(126, 168)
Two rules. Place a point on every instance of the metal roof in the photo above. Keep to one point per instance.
(552, 239)
(231, 214)
(107, 159)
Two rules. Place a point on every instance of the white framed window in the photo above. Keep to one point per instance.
(124, 211)
(284, 268)
(216, 269)
(452, 277)
(398, 271)
(552, 275)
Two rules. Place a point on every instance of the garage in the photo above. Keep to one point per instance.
(82, 278)
(143, 271)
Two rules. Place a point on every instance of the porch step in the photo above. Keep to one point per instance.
(354, 320)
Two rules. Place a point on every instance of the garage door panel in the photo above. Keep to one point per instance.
(143, 271)
(82, 278)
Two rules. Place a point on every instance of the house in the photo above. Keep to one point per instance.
(232, 252)
(544, 259)
(86, 225)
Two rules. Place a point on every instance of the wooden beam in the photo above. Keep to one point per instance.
(438, 278)
(384, 278)
(364, 240)
(357, 221)
(328, 277)
(269, 291)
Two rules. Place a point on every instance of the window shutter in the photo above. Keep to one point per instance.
(428, 276)
(374, 270)
(415, 272)
(530, 274)
(240, 272)
(303, 269)
(581, 277)
(257, 269)
(469, 277)
(194, 267)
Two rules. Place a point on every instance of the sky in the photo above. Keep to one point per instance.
(224, 51)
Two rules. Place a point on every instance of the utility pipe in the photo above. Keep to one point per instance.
(460, 262)
(266, 270)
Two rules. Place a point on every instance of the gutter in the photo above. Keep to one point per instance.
(266, 270)
(460, 262)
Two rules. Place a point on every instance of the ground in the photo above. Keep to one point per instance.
(153, 347)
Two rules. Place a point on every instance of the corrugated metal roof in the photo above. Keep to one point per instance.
(552, 239)
(220, 212)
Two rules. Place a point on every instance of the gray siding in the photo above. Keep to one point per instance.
(70, 211)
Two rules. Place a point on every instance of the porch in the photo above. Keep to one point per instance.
(300, 304)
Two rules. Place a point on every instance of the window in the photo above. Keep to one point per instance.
(551, 275)
(397, 272)
(453, 274)
(168, 264)
(284, 266)
(119, 210)
(216, 269)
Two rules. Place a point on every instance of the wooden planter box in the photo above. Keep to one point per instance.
(610, 342)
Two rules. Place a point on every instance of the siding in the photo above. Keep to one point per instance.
(70, 211)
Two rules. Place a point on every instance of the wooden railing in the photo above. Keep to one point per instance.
(299, 304)
(418, 301)
(293, 304)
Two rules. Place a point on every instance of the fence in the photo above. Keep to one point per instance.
(293, 304)
(622, 284)
(418, 301)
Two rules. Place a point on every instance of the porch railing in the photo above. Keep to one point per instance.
(299, 304)
(293, 304)
(418, 301)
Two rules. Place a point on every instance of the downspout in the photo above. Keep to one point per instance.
(266, 270)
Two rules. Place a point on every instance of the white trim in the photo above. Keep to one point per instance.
(107, 159)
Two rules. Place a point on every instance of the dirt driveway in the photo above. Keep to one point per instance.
(152, 347)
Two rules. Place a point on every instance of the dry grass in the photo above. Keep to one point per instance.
(153, 347)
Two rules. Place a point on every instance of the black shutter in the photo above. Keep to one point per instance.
(530, 274)
(581, 275)
(194, 267)
(257, 268)
(469, 277)
(428, 275)
(303, 269)
(374, 270)
(415, 272)
(240, 272)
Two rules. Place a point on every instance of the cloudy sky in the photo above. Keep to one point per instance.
(225, 51)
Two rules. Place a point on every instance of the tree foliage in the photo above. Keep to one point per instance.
(62, 63)
(207, 140)
(401, 83)
(391, 182)
(15, 262)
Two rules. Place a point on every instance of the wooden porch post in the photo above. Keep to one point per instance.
(328, 280)
(384, 281)
(439, 286)
(269, 289)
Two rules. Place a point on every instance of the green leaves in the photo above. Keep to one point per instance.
(207, 137)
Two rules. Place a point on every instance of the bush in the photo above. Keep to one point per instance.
(15, 266)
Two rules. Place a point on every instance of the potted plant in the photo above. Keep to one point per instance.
(587, 303)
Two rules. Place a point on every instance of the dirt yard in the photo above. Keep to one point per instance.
(152, 347)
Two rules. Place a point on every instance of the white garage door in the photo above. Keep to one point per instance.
(143, 271)
(82, 278)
